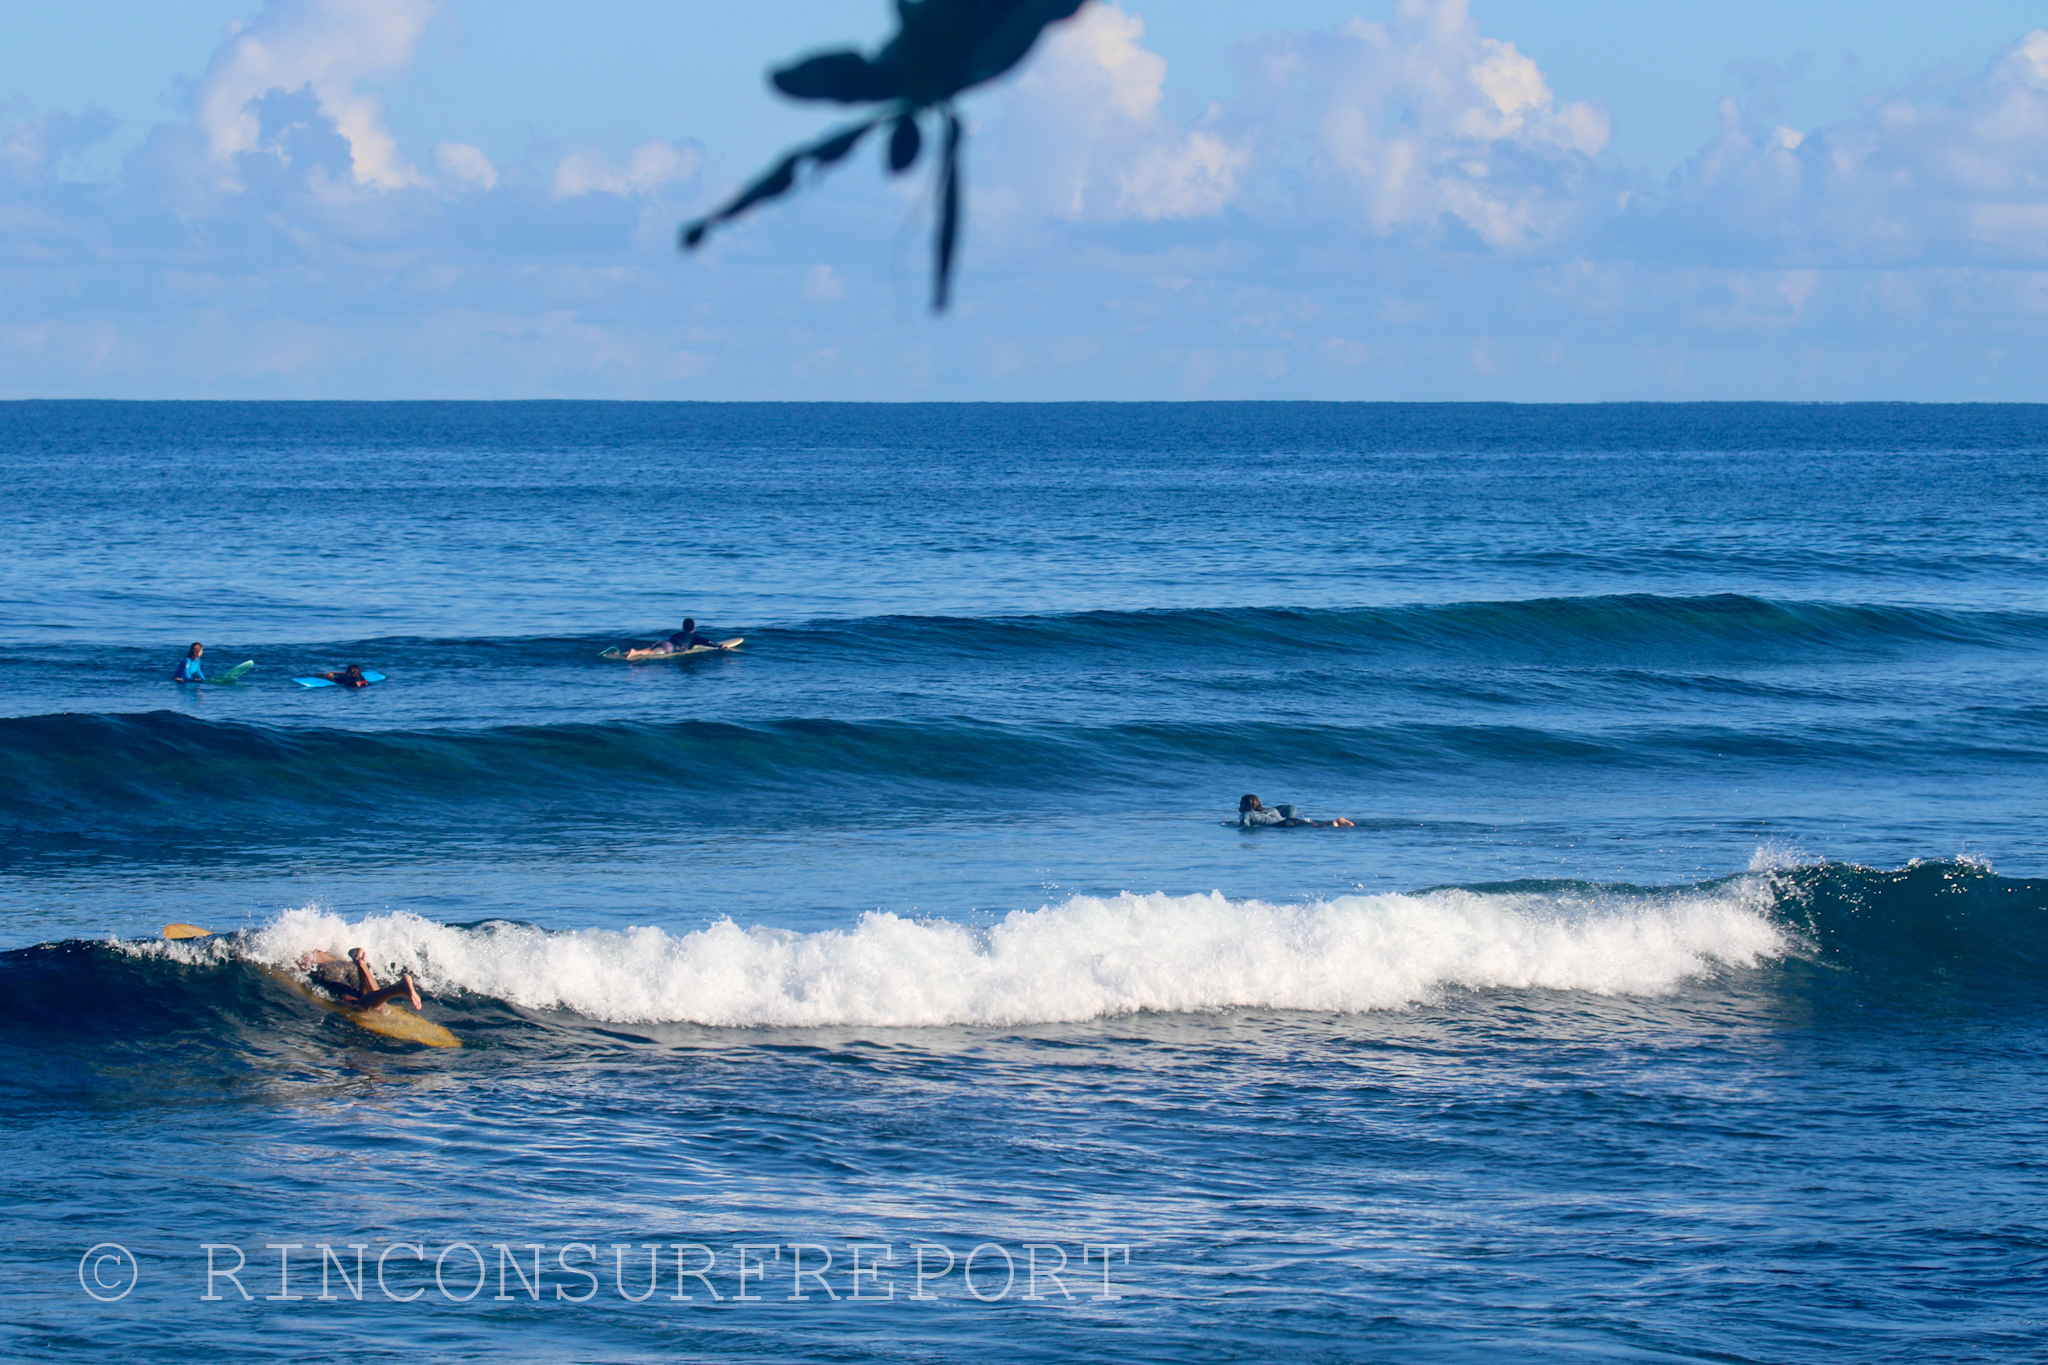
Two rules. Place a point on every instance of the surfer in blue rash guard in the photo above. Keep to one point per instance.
(188, 669)
(363, 992)
(1251, 814)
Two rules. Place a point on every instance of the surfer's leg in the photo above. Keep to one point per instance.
(376, 998)
(366, 985)
(404, 988)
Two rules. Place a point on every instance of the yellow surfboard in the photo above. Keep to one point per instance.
(390, 1019)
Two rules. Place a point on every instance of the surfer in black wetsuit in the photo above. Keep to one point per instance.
(1253, 815)
(686, 638)
(188, 667)
(362, 992)
(352, 676)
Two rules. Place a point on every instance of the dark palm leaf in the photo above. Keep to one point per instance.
(949, 215)
(942, 47)
(903, 144)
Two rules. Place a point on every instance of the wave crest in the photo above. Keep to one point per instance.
(1085, 958)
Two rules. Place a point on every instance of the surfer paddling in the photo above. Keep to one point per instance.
(362, 992)
(352, 676)
(685, 641)
(686, 638)
(188, 667)
(1251, 814)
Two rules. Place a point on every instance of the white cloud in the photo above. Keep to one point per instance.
(651, 166)
(1394, 209)
(330, 47)
(1192, 178)
(1085, 129)
(1409, 124)
(1949, 172)
(464, 166)
(34, 148)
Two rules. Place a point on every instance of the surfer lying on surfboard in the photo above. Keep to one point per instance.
(352, 676)
(686, 638)
(1252, 815)
(362, 992)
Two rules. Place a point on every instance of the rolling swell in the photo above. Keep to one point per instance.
(869, 718)
(1617, 629)
(1621, 630)
(166, 776)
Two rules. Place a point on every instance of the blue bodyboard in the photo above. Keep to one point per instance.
(369, 675)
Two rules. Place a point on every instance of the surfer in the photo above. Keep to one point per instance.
(686, 638)
(352, 676)
(188, 667)
(1251, 814)
(363, 992)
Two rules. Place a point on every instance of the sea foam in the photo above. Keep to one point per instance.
(1084, 958)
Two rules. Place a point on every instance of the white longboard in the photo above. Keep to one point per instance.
(634, 656)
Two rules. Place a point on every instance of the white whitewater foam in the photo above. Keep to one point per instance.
(1086, 958)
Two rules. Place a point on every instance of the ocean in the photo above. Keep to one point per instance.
(899, 986)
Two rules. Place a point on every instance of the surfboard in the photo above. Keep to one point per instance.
(233, 675)
(634, 656)
(369, 675)
(390, 1019)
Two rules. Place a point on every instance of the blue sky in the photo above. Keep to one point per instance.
(1513, 199)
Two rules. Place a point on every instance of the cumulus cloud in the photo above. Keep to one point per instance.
(35, 148)
(1423, 122)
(331, 48)
(1087, 136)
(464, 166)
(1952, 172)
(1401, 127)
(650, 167)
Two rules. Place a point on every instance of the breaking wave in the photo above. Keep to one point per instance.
(1084, 958)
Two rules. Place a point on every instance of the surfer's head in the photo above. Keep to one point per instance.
(355, 670)
(1247, 802)
(689, 623)
(196, 650)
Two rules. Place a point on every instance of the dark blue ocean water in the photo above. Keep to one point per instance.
(1677, 996)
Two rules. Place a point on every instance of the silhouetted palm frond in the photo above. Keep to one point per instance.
(942, 48)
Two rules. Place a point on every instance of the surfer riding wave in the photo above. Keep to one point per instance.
(360, 989)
